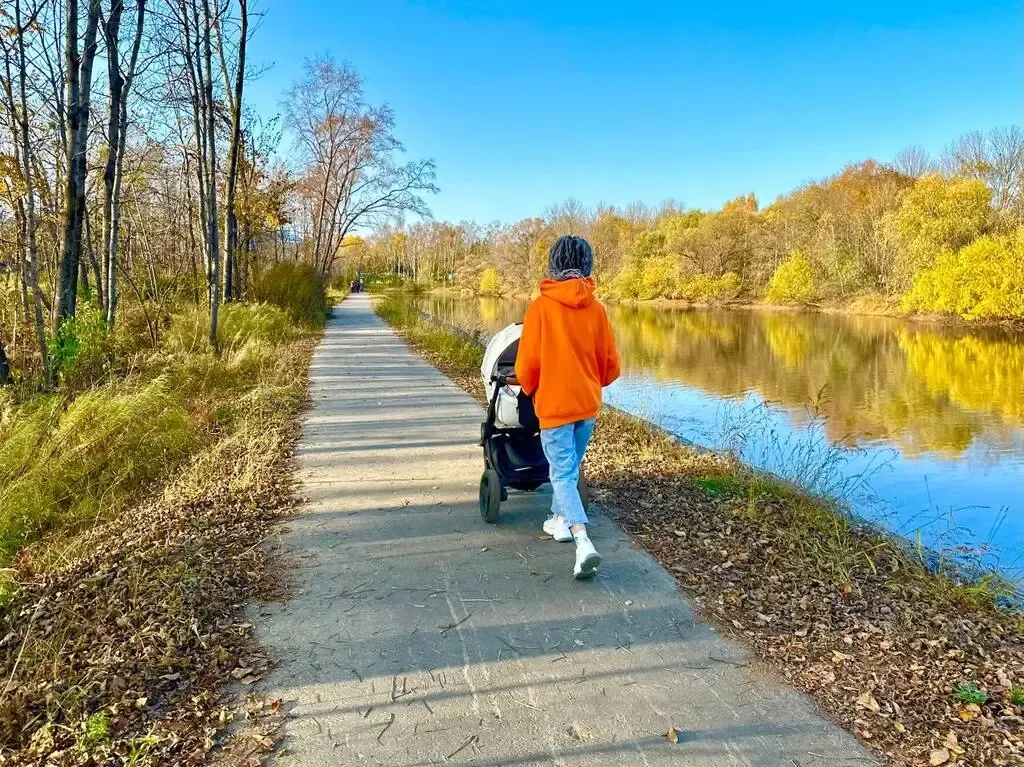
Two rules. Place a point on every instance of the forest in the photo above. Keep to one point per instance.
(915, 235)
(135, 178)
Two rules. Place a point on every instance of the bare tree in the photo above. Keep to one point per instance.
(195, 20)
(234, 99)
(913, 161)
(79, 88)
(30, 271)
(997, 158)
(119, 85)
(348, 151)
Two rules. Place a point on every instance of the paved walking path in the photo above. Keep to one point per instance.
(420, 635)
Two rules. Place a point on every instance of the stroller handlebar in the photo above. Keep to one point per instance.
(505, 380)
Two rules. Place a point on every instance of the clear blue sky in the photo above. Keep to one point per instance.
(523, 103)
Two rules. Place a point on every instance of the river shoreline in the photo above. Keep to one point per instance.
(889, 649)
(862, 306)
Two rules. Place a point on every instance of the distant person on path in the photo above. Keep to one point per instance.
(566, 356)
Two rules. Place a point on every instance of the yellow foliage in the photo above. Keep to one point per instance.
(793, 281)
(704, 287)
(982, 280)
(937, 215)
(490, 282)
(657, 278)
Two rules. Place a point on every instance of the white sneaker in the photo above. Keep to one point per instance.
(587, 559)
(555, 527)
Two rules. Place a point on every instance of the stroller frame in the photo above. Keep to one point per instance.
(503, 449)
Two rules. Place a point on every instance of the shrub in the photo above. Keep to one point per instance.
(704, 287)
(490, 282)
(626, 284)
(793, 281)
(82, 350)
(658, 278)
(936, 215)
(295, 287)
(982, 280)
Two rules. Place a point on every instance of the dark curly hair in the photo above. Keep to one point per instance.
(570, 257)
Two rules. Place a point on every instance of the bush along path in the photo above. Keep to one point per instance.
(121, 610)
(923, 670)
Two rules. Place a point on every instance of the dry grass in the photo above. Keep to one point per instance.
(119, 634)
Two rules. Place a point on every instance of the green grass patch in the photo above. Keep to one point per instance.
(969, 693)
(1017, 696)
(71, 458)
(721, 486)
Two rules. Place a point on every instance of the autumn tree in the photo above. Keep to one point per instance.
(350, 176)
(936, 215)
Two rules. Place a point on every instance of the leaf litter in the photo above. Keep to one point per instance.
(890, 631)
(126, 650)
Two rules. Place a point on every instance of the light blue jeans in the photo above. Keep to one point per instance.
(564, 447)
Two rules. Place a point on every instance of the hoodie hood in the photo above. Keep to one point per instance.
(575, 293)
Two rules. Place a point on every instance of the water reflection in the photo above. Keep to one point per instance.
(949, 402)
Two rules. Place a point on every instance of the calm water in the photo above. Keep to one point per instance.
(918, 427)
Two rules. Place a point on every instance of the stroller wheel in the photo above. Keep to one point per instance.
(490, 496)
(584, 491)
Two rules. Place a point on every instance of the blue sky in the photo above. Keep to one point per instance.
(523, 103)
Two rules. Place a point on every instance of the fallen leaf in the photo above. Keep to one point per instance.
(629, 602)
(938, 756)
(262, 739)
(674, 735)
(239, 672)
(867, 700)
(900, 727)
(275, 704)
(839, 657)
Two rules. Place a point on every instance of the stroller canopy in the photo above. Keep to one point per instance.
(500, 355)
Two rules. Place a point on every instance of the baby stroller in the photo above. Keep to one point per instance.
(510, 436)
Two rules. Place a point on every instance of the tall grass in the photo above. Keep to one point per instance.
(70, 458)
(65, 462)
(295, 287)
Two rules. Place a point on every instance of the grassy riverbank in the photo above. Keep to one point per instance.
(132, 513)
(922, 668)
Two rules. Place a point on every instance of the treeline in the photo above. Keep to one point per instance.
(921, 235)
(135, 178)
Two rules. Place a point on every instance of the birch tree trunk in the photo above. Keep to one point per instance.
(31, 268)
(213, 252)
(117, 129)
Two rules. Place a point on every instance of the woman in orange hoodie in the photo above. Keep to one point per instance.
(566, 356)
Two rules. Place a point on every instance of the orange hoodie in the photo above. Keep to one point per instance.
(566, 353)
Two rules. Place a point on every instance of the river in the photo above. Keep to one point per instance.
(915, 426)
